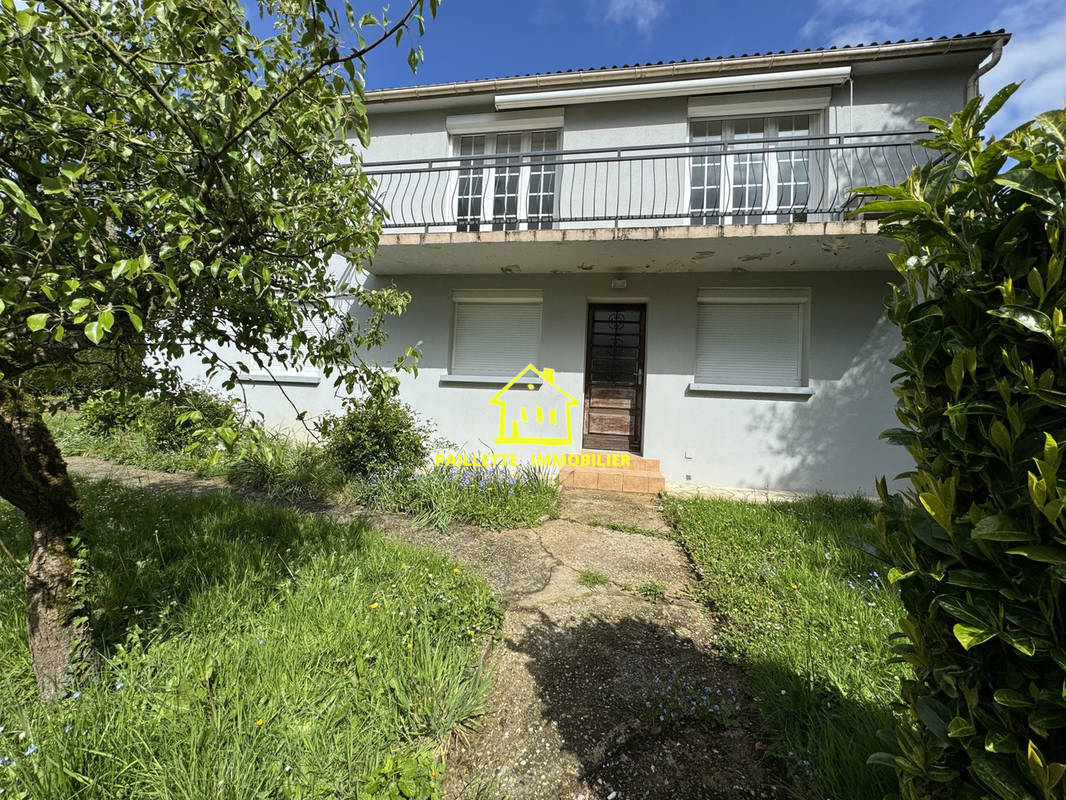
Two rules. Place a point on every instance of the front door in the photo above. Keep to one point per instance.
(614, 377)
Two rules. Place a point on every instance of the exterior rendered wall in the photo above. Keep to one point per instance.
(828, 441)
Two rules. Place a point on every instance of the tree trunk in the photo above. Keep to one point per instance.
(34, 478)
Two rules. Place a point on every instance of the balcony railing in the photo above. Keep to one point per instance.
(804, 179)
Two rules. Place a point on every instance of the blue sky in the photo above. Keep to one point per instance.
(477, 38)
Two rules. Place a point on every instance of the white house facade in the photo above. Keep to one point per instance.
(673, 244)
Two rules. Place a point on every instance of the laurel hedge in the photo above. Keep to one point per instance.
(977, 543)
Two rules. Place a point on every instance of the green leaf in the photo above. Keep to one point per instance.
(998, 741)
(1042, 553)
(959, 728)
(1012, 699)
(937, 510)
(1029, 318)
(36, 322)
(1000, 528)
(969, 636)
(94, 332)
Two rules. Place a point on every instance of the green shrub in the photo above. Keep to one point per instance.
(375, 437)
(109, 412)
(978, 544)
(493, 498)
(286, 471)
(171, 422)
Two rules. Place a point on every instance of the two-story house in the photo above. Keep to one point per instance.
(674, 241)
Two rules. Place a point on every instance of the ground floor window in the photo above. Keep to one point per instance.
(752, 337)
(495, 333)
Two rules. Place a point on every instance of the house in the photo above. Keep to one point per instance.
(534, 419)
(674, 241)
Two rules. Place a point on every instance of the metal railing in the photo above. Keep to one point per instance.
(806, 179)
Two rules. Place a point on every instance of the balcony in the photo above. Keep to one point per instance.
(695, 190)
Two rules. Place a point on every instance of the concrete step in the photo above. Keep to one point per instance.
(636, 463)
(609, 479)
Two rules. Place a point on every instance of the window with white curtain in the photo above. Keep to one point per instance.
(752, 337)
(513, 187)
(495, 333)
(755, 169)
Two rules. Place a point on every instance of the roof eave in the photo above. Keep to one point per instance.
(770, 61)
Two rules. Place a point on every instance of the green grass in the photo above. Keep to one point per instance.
(652, 591)
(590, 578)
(127, 447)
(287, 471)
(808, 617)
(251, 652)
(492, 498)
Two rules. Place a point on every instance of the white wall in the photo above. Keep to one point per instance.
(828, 441)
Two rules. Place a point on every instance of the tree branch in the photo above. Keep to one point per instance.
(355, 54)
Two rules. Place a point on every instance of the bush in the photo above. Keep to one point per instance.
(376, 437)
(170, 422)
(493, 498)
(978, 544)
(287, 471)
(109, 412)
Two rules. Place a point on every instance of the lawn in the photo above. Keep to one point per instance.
(807, 615)
(251, 652)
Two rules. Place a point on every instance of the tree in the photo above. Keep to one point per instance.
(171, 184)
(978, 543)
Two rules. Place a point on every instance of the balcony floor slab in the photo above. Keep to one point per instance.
(777, 247)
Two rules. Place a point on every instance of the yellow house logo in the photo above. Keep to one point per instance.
(525, 423)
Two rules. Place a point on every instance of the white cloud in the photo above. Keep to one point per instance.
(641, 13)
(1034, 56)
(835, 23)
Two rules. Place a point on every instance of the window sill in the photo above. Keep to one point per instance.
(742, 388)
(494, 379)
(294, 378)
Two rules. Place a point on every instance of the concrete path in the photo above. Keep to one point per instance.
(612, 691)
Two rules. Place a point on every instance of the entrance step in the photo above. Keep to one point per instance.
(636, 463)
(642, 477)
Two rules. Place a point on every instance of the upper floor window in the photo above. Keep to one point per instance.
(504, 183)
(750, 172)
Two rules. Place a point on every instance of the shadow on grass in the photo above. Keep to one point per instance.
(653, 715)
(149, 553)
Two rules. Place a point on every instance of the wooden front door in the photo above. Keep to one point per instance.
(614, 377)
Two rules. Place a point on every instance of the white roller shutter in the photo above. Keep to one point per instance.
(495, 336)
(755, 339)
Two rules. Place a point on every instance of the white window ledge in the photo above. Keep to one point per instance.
(500, 379)
(306, 379)
(744, 388)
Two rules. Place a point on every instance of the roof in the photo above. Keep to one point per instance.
(823, 56)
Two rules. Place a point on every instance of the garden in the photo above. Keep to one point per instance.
(251, 651)
(374, 455)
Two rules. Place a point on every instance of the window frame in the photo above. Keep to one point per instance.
(770, 185)
(737, 296)
(524, 159)
(494, 297)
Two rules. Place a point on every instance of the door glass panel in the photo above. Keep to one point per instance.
(748, 169)
(542, 180)
(505, 183)
(471, 184)
(793, 165)
(705, 182)
(614, 348)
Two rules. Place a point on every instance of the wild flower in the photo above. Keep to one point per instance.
(30, 750)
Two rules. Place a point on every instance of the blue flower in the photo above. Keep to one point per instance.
(30, 750)
(119, 685)
(76, 695)
(67, 729)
